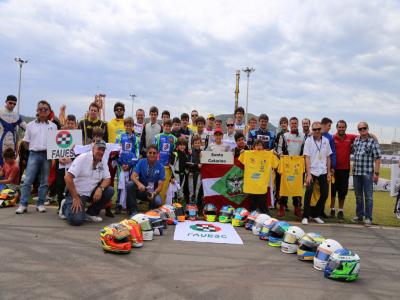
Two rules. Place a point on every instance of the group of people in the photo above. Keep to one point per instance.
(141, 159)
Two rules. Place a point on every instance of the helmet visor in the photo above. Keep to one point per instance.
(179, 211)
(146, 225)
(290, 238)
(321, 255)
(225, 214)
(210, 212)
(308, 245)
(333, 264)
(157, 223)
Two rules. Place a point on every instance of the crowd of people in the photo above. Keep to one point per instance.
(141, 159)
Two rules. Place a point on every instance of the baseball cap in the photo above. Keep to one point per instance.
(211, 116)
(218, 130)
(100, 144)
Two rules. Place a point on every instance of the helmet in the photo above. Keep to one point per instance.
(156, 222)
(145, 224)
(169, 211)
(226, 213)
(267, 225)
(343, 265)
(8, 197)
(323, 252)
(163, 216)
(136, 232)
(291, 239)
(308, 245)
(258, 223)
(179, 212)
(251, 219)
(191, 212)
(240, 216)
(276, 233)
(115, 238)
(210, 212)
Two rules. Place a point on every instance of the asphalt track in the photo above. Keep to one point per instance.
(44, 258)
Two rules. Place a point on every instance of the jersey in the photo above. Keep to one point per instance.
(166, 144)
(115, 127)
(267, 137)
(129, 149)
(292, 170)
(257, 170)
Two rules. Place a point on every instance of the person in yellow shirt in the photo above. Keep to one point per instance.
(115, 127)
(194, 116)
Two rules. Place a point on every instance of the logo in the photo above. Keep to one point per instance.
(205, 228)
(64, 139)
(255, 176)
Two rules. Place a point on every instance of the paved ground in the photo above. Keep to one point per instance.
(44, 258)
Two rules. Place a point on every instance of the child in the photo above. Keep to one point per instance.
(9, 172)
(178, 163)
(176, 127)
(218, 145)
(194, 177)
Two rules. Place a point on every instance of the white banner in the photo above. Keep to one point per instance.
(216, 158)
(395, 180)
(206, 232)
(383, 185)
(60, 143)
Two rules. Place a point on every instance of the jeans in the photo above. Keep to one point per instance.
(133, 193)
(77, 218)
(37, 163)
(317, 210)
(363, 188)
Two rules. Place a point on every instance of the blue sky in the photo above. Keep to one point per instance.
(312, 58)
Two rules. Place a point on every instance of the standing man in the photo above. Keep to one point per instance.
(139, 124)
(266, 136)
(194, 114)
(367, 162)
(318, 168)
(230, 134)
(185, 131)
(306, 127)
(36, 141)
(210, 124)
(9, 120)
(239, 124)
(150, 130)
(115, 127)
(92, 120)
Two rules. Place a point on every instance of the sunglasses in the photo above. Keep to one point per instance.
(316, 129)
(229, 125)
(12, 103)
(152, 153)
(362, 128)
(119, 109)
(43, 109)
(194, 116)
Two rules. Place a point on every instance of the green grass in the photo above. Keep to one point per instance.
(385, 173)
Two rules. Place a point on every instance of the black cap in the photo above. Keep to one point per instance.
(11, 98)
(100, 144)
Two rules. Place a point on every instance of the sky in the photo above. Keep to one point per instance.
(339, 59)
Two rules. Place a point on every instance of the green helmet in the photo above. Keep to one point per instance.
(343, 265)
(226, 213)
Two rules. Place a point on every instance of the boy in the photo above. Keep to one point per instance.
(9, 172)
(218, 145)
(204, 136)
(194, 177)
(185, 131)
(178, 162)
(176, 127)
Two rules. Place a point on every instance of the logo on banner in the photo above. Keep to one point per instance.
(64, 139)
(205, 228)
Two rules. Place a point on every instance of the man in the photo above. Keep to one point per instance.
(147, 181)
(266, 136)
(194, 114)
(185, 131)
(230, 134)
(9, 120)
(218, 123)
(240, 144)
(139, 124)
(283, 128)
(367, 161)
(88, 183)
(239, 124)
(317, 152)
(306, 127)
(92, 120)
(116, 126)
(210, 124)
(36, 141)
(150, 130)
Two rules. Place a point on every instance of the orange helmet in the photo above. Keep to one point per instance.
(179, 212)
(169, 211)
(116, 238)
(135, 231)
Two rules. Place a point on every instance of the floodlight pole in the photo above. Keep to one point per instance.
(248, 71)
(20, 62)
(133, 96)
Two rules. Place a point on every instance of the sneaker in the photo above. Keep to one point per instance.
(21, 209)
(118, 210)
(95, 219)
(340, 215)
(109, 213)
(60, 211)
(367, 222)
(398, 214)
(297, 212)
(281, 212)
(318, 220)
(333, 213)
(356, 220)
(41, 208)
(304, 221)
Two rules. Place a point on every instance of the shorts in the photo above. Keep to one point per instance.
(341, 184)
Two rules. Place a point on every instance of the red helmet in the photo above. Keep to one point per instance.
(135, 231)
(116, 238)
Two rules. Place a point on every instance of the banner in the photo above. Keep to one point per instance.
(206, 232)
(395, 180)
(60, 143)
(216, 158)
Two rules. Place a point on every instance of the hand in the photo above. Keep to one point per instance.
(151, 196)
(97, 194)
(76, 205)
(376, 178)
(125, 167)
(141, 187)
(308, 180)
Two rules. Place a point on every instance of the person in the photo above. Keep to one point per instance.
(36, 140)
(178, 162)
(397, 204)
(115, 126)
(88, 183)
(305, 123)
(204, 136)
(268, 137)
(165, 115)
(210, 125)
(146, 182)
(176, 127)
(165, 143)
(139, 122)
(185, 131)
(251, 127)
(9, 122)
(283, 128)
(367, 161)
(317, 153)
(194, 176)
(9, 172)
(239, 124)
(230, 134)
(194, 114)
(150, 130)
(218, 123)
(240, 144)
(92, 120)
(218, 145)
(292, 144)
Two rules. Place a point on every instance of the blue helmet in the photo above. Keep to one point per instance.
(251, 219)
(343, 265)
(276, 233)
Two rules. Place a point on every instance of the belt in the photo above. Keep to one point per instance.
(42, 151)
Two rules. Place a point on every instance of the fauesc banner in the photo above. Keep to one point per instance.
(60, 143)
(206, 232)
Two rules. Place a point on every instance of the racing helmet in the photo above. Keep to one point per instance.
(156, 222)
(226, 213)
(324, 251)
(343, 265)
(145, 224)
(251, 219)
(179, 212)
(8, 197)
(210, 212)
(291, 239)
(115, 238)
(258, 223)
(240, 217)
(276, 233)
(169, 211)
(135, 231)
(267, 225)
(191, 212)
(308, 245)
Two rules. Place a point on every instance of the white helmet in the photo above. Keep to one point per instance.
(145, 224)
(258, 223)
(324, 251)
(291, 239)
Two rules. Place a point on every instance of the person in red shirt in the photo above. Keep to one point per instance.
(9, 172)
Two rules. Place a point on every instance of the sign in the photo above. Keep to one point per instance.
(60, 143)
(216, 158)
(206, 232)
(395, 180)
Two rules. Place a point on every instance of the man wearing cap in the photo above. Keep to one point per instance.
(9, 120)
(88, 183)
(218, 145)
(210, 124)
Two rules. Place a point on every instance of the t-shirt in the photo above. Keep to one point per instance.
(193, 128)
(343, 150)
(85, 177)
(257, 170)
(36, 134)
(318, 151)
(219, 148)
(11, 171)
(166, 145)
(150, 175)
(115, 128)
(291, 169)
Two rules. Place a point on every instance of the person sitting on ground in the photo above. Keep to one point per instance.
(9, 172)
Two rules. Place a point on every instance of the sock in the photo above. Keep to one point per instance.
(341, 209)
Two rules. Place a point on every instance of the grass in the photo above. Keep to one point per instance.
(385, 173)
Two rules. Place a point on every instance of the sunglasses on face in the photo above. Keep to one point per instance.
(119, 109)
(316, 129)
(12, 103)
(362, 128)
(194, 116)
(43, 109)
(229, 125)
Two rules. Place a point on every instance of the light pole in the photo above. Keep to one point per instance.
(248, 71)
(133, 96)
(21, 62)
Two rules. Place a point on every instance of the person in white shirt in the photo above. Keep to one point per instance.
(88, 182)
(239, 124)
(317, 153)
(230, 134)
(36, 140)
(218, 145)
(139, 124)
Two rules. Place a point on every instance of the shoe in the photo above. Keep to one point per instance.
(367, 222)
(318, 220)
(297, 212)
(356, 220)
(304, 221)
(60, 211)
(340, 215)
(398, 214)
(41, 208)
(95, 219)
(21, 209)
(118, 210)
(109, 213)
(281, 212)
(333, 213)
